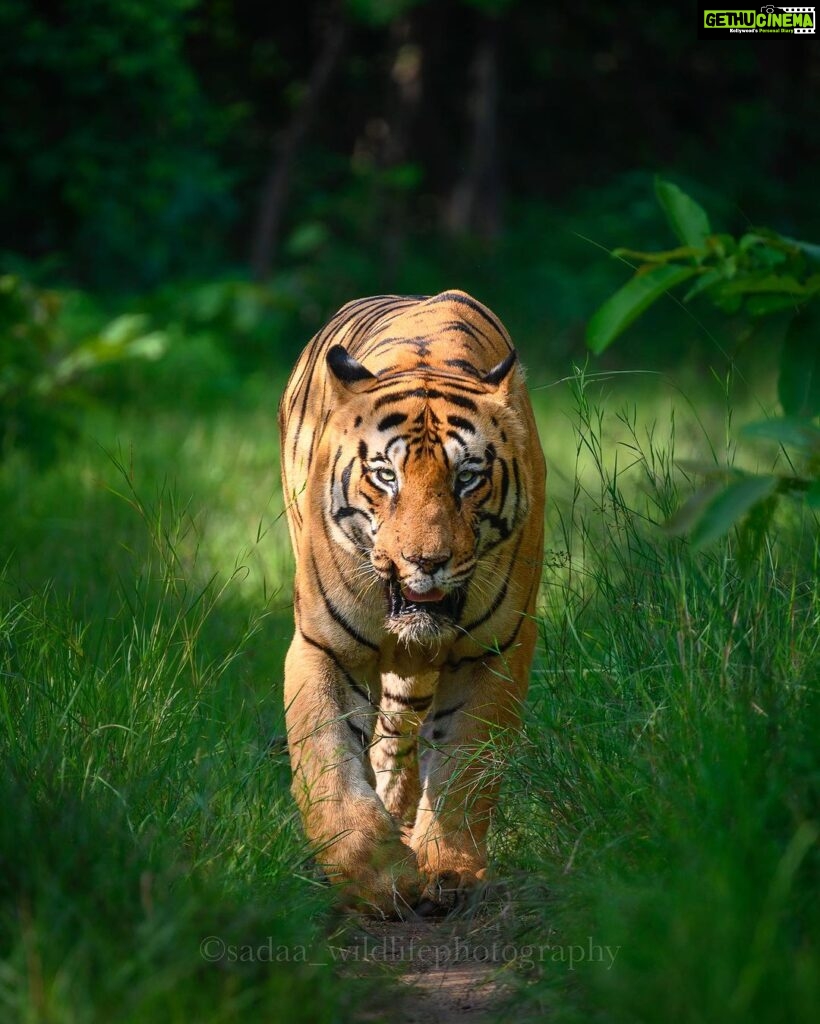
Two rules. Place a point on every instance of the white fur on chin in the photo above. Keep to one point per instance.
(421, 628)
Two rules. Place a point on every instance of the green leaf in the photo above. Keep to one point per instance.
(690, 512)
(767, 250)
(627, 304)
(753, 531)
(681, 253)
(727, 506)
(813, 496)
(763, 281)
(150, 346)
(687, 218)
(105, 349)
(123, 329)
(764, 236)
(786, 430)
(722, 245)
(703, 282)
(798, 386)
(306, 238)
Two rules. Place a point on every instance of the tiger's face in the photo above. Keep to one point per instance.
(426, 481)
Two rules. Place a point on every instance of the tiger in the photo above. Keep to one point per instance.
(414, 486)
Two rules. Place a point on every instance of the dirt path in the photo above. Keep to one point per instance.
(447, 972)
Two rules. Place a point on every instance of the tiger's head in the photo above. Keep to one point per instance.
(428, 476)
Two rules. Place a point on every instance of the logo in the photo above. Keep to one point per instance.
(719, 23)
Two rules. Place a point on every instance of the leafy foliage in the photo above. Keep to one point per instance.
(759, 273)
(108, 141)
(135, 138)
(45, 374)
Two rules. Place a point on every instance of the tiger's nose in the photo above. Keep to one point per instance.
(428, 563)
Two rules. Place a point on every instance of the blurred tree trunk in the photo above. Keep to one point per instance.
(475, 203)
(406, 75)
(286, 149)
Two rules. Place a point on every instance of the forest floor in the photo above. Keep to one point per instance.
(439, 971)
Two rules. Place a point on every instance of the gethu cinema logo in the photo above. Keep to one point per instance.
(768, 17)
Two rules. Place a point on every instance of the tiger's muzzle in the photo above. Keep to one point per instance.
(434, 602)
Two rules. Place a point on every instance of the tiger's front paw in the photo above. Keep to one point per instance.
(447, 891)
(389, 884)
(450, 855)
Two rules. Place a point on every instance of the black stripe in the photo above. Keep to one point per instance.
(347, 512)
(452, 380)
(336, 615)
(428, 393)
(346, 472)
(461, 423)
(393, 420)
(331, 545)
(465, 300)
(465, 365)
(464, 328)
(502, 592)
(336, 458)
(351, 682)
(416, 341)
(503, 648)
(404, 751)
(505, 485)
(388, 730)
(438, 715)
(384, 306)
(307, 384)
(517, 491)
(498, 523)
(416, 703)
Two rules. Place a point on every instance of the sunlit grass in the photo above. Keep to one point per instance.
(144, 809)
(663, 799)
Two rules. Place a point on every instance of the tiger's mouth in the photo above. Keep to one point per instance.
(402, 602)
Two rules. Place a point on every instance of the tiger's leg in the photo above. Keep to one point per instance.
(475, 717)
(356, 841)
(394, 751)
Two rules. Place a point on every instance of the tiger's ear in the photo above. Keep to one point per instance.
(500, 374)
(345, 368)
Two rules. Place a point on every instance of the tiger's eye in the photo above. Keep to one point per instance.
(467, 476)
(386, 476)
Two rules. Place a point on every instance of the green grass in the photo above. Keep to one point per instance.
(664, 800)
(141, 642)
(671, 775)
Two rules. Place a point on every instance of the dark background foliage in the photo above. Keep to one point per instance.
(142, 140)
